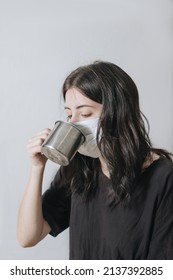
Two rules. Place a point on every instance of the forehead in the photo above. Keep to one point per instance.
(75, 98)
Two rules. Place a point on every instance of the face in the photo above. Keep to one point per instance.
(78, 107)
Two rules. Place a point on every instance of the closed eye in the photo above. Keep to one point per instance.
(82, 115)
(85, 115)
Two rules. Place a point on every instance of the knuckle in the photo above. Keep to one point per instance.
(47, 130)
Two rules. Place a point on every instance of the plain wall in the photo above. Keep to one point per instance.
(43, 41)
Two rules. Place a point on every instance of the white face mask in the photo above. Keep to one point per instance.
(89, 129)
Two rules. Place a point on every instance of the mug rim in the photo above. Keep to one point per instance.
(70, 124)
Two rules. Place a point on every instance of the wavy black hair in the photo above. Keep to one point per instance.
(124, 144)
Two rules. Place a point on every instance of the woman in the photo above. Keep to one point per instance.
(118, 202)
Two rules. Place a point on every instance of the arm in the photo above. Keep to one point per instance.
(32, 227)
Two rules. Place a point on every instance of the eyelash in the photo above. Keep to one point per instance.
(83, 115)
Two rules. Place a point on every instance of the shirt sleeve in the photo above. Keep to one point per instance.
(56, 204)
(161, 246)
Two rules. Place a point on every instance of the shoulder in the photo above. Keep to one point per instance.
(155, 185)
(161, 167)
(159, 176)
(58, 188)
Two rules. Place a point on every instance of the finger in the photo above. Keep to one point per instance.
(35, 142)
(35, 150)
(42, 135)
(44, 131)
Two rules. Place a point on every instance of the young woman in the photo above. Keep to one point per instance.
(117, 199)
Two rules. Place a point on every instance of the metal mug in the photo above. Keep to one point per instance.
(62, 143)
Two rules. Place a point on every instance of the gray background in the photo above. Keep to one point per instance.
(43, 41)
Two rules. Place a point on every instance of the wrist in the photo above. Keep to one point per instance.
(37, 168)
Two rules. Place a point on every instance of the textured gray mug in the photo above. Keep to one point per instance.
(62, 143)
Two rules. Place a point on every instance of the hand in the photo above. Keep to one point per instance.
(34, 148)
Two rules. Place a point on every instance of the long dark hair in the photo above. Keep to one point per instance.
(124, 144)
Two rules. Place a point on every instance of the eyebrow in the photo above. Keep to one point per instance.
(78, 107)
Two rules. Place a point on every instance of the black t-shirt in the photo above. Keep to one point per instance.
(142, 230)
